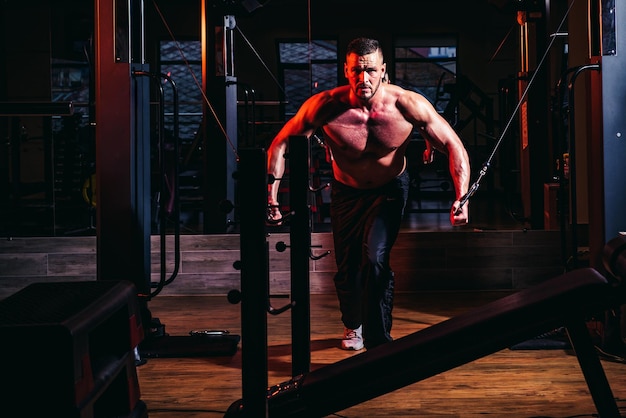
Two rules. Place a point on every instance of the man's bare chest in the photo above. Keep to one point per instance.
(377, 133)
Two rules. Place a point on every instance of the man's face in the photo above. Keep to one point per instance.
(364, 73)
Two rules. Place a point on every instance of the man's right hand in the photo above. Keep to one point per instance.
(274, 216)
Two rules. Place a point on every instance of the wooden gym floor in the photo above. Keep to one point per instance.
(513, 383)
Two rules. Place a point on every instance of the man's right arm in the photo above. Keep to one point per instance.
(302, 123)
(276, 169)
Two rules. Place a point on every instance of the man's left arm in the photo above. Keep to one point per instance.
(460, 173)
(438, 132)
(443, 137)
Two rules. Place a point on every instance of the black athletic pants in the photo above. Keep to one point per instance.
(365, 225)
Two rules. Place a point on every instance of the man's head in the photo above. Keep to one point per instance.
(364, 67)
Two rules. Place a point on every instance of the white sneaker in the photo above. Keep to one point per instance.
(352, 339)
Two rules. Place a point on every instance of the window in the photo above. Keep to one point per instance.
(189, 94)
(306, 68)
(426, 65)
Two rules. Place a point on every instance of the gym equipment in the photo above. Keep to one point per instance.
(564, 301)
(68, 350)
(157, 342)
(255, 270)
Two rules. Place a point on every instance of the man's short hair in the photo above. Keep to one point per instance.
(363, 46)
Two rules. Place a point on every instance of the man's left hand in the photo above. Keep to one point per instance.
(459, 215)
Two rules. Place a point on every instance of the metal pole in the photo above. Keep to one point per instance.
(300, 236)
(252, 184)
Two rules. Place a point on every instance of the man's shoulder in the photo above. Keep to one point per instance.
(335, 95)
(339, 92)
(406, 97)
(398, 91)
